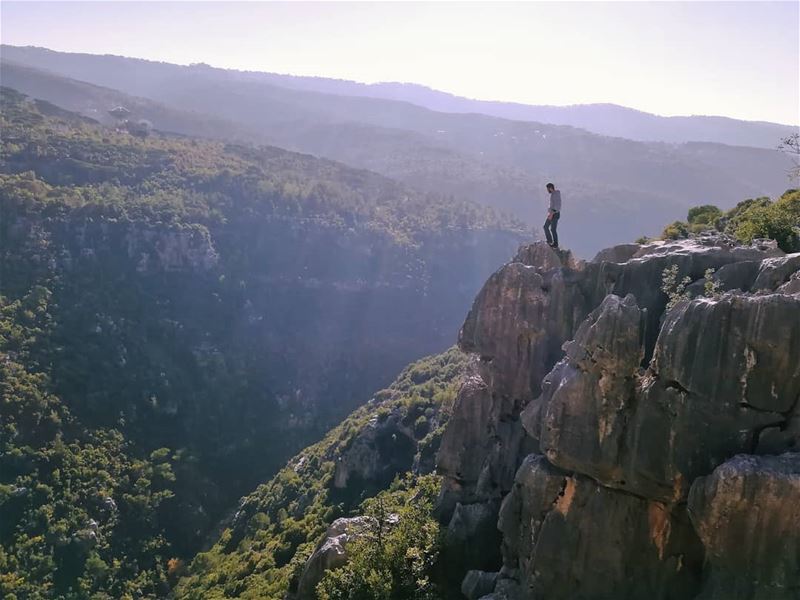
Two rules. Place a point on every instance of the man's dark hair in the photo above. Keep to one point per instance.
(550, 185)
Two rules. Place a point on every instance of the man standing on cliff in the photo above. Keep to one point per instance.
(553, 214)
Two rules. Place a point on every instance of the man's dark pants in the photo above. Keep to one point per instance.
(551, 226)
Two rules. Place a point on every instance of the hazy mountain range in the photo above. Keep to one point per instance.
(603, 118)
(615, 189)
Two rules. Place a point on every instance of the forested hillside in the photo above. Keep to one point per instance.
(615, 187)
(179, 317)
(262, 553)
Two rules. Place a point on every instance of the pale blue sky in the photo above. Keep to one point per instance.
(737, 59)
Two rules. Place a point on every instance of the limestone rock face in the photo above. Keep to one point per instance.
(171, 249)
(331, 552)
(517, 325)
(573, 538)
(469, 443)
(581, 418)
(518, 322)
(748, 515)
(592, 412)
(470, 522)
(617, 254)
(776, 271)
(642, 274)
(792, 286)
(723, 371)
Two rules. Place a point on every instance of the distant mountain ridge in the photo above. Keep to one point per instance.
(602, 118)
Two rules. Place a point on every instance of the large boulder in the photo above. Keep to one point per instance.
(747, 513)
(774, 272)
(478, 584)
(331, 552)
(617, 254)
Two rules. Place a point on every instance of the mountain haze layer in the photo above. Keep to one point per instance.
(603, 118)
(616, 189)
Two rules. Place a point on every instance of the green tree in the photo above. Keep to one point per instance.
(762, 218)
(674, 231)
(703, 217)
(674, 288)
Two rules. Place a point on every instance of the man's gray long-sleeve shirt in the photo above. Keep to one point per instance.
(555, 200)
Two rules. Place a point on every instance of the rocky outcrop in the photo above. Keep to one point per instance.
(516, 327)
(150, 247)
(384, 448)
(748, 515)
(653, 434)
(776, 271)
(608, 410)
(478, 584)
(760, 275)
(581, 418)
(173, 249)
(331, 552)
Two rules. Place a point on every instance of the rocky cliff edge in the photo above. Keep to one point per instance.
(606, 447)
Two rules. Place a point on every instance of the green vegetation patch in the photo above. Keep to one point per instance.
(778, 220)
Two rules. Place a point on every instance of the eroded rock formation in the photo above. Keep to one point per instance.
(331, 552)
(592, 412)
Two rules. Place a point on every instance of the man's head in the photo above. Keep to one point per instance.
(551, 187)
